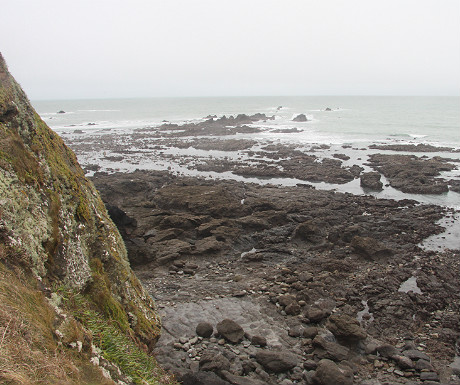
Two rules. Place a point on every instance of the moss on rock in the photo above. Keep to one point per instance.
(55, 217)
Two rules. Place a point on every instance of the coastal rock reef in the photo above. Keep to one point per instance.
(71, 309)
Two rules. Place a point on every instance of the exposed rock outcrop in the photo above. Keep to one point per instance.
(58, 234)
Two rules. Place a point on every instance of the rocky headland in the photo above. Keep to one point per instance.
(71, 309)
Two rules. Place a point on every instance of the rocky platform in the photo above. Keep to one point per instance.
(315, 287)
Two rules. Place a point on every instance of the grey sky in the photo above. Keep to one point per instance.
(97, 48)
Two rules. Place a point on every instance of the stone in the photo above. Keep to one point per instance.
(201, 378)
(310, 332)
(214, 361)
(371, 181)
(310, 365)
(204, 329)
(329, 373)
(300, 118)
(387, 350)
(370, 248)
(239, 380)
(292, 309)
(259, 341)
(429, 376)
(286, 300)
(276, 361)
(415, 355)
(424, 365)
(403, 362)
(296, 331)
(230, 330)
(345, 327)
(314, 314)
(330, 350)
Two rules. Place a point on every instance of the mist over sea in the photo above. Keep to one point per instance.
(353, 119)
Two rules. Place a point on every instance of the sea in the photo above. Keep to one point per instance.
(354, 119)
(346, 124)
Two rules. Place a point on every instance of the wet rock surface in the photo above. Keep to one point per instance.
(325, 287)
(412, 174)
(312, 278)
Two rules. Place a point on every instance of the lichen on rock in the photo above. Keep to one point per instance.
(58, 223)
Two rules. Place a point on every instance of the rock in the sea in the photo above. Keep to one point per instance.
(329, 373)
(370, 248)
(204, 329)
(300, 118)
(371, 181)
(345, 327)
(277, 362)
(230, 330)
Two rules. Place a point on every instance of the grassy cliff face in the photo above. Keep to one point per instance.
(57, 240)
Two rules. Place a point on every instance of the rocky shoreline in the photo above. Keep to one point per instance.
(283, 263)
(282, 283)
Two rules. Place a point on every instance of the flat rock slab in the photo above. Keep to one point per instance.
(181, 320)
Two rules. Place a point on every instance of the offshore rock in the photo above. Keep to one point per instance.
(371, 181)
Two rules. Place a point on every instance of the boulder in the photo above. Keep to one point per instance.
(214, 361)
(370, 248)
(292, 309)
(329, 373)
(300, 118)
(204, 329)
(387, 350)
(371, 181)
(416, 355)
(201, 378)
(345, 327)
(330, 350)
(315, 314)
(277, 362)
(308, 231)
(259, 341)
(238, 380)
(230, 330)
(286, 300)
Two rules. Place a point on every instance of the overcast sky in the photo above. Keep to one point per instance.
(60, 49)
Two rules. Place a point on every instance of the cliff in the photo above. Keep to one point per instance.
(65, 278)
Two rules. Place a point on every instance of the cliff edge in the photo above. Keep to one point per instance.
(66, 287)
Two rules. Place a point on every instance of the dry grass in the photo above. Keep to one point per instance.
(29, 352)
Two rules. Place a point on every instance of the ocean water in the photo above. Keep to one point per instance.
(353, 119)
